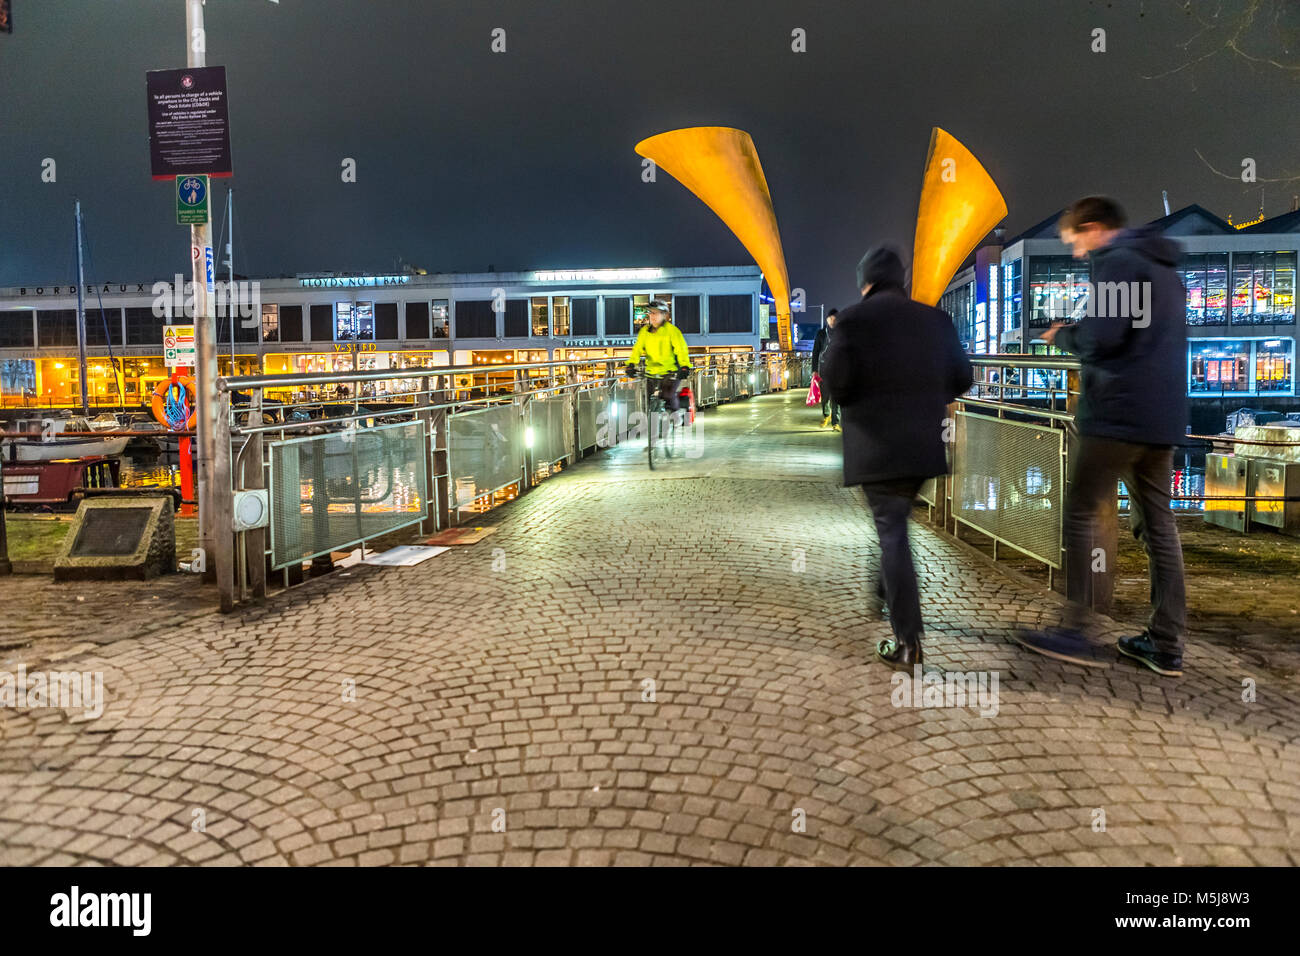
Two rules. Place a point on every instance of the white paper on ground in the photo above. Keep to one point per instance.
(405, 555)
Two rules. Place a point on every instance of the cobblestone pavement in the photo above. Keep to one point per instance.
(647, 671)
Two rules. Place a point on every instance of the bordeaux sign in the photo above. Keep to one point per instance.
(72, 289)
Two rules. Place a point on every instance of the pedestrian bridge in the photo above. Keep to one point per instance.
(641, 667)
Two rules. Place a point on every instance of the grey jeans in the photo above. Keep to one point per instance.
(1096, 466)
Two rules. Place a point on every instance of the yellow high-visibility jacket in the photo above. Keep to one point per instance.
(664, 349)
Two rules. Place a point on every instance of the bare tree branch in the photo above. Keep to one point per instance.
(1236, 177)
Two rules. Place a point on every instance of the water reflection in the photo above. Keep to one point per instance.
(156, 470)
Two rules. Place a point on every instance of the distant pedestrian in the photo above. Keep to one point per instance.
(830, 408)
(1132, 413)
(894, 365)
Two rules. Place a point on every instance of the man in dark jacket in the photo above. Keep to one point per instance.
(894, 365)
(830, 417)
(1131, 414)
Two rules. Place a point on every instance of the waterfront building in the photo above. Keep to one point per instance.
(337, 323)
(1241, 310)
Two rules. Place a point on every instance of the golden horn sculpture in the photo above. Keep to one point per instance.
(720, 165)
(959, 205)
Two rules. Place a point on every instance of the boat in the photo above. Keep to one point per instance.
(49, 440)
(105, 422)
(59, 482)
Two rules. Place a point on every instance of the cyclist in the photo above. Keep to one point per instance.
(667, 361)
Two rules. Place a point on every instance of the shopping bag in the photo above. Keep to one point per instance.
(815, 390)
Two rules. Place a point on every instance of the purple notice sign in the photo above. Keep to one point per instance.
(189, 126)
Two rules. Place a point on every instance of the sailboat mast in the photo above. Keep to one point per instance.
(230, 261)
(81, 315)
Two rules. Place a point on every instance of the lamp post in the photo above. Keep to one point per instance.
(205, 328)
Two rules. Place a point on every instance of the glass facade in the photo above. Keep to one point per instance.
(1058, 289)
(354, 322)
(960, 304)
(1263, 288)
(1205, 276)
(1274, 360)
(1218, 366)
(1012, 304)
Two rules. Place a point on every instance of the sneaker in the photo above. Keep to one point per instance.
(1063, 644)
(826, 420)
(1143, 650)
(835, 427)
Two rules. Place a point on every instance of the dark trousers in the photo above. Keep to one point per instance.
(827, 401)
(667, 388)
(1097, 465)
(891, 509)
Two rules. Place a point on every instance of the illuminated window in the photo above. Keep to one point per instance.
(441, 319)
(354, 322)
(541, 317)
(560, 314)
(1219, 367)
(1273, 365)
(1011, 296)
(270, 323)
(1058, 290)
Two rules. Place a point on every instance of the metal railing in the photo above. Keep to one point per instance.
(426, 446)
(1009, 455)
(1010, 441)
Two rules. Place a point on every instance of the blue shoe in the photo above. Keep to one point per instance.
(1064, 644)
(1143, 650)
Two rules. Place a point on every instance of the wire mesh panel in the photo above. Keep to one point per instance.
(762, 380)
(707, 383)
(927, 492)
(593, 411)
(551, 419)
(330, 492)
(1008, 483)
(485, 452)
(722, 390)
(627, 408)
(805, 372)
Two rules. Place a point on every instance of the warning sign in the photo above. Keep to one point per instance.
(178, 346)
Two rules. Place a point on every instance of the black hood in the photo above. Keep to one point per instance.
(1148, 241)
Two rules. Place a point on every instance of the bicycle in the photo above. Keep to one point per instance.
(662, 432)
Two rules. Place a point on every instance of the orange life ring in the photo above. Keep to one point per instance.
(160, 398)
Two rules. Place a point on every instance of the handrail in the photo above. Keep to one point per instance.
(289, 380)
(1022, 360)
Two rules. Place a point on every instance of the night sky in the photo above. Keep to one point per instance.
(524, 160)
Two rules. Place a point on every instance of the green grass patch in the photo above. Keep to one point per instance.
(34, 540)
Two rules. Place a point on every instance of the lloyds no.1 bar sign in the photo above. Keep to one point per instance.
(189, 125)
